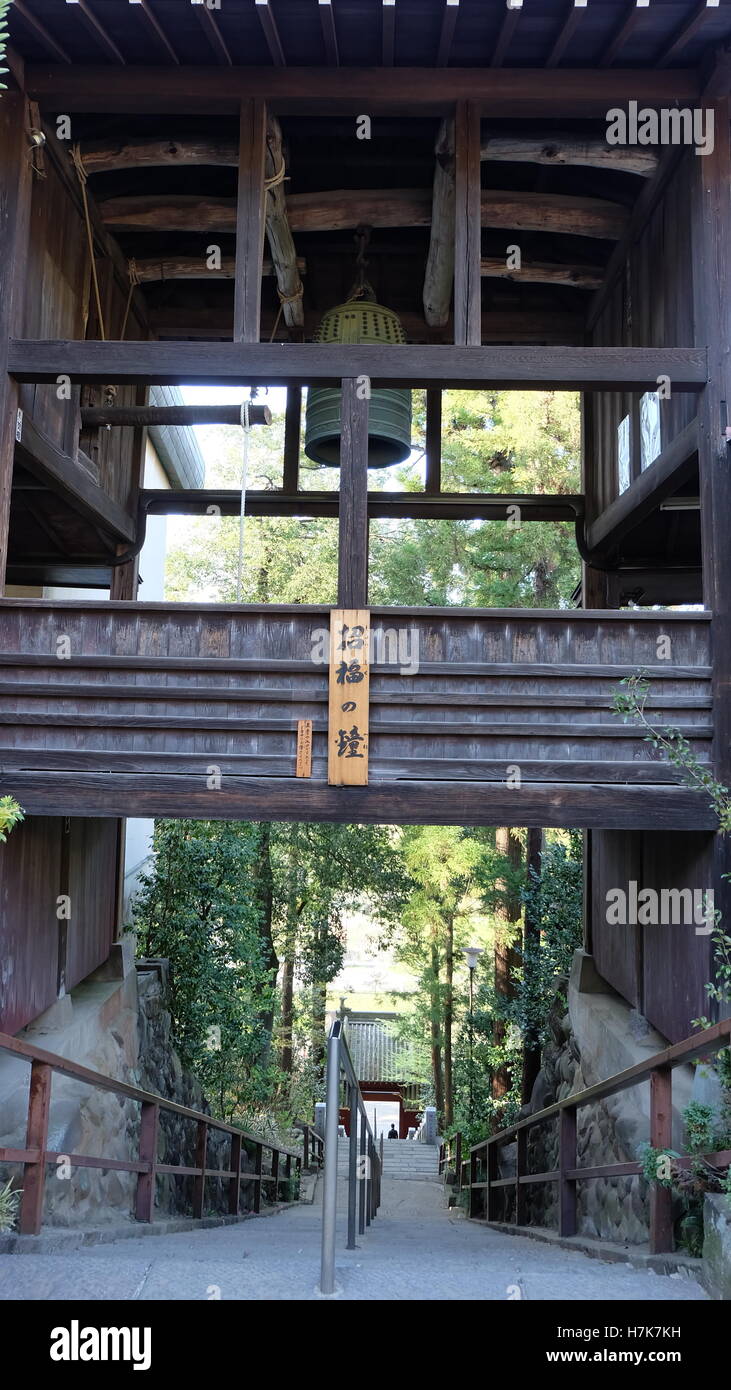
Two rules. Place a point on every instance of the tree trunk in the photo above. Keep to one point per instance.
(507, 959)
(264, 892)
(531, 945)
(448, 1020)
(436, 1041)
(287, 1013)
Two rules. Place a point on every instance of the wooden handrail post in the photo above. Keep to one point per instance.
(258, 1165)
(567, 1159)
(661, 1137)
(145, 1197)
(306, 1157)
(199, 1182)
(492, 1154)
(275, 1173)
(34, 1174)
(234, 1182)
(458, 1161)
(473, 1180)
(521, 1188)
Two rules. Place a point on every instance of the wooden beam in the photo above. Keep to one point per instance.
(98, 31)
(571, 22)
(439, 274)
(583, 277)
(279, 233)
(329, 32)
(627, 27)
(63, 475)
(707, 9)
(467, 226)
(407, 801)
(195, 268)
(388, 32)
(446, 33)
(518, 92)
(143, 416)
(101, 156)
(212, 32)
(271, 33)
(518, 368)
(16, 191)
(560, 149)
(21, 11)
(292, 434)
(343, 209)
(353, 512)
(250, 221)
(507, 29)
(154, 25)
(433, 477)
(663, 476)
(391, 506)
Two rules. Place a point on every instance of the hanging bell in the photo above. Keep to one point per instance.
(359, 320)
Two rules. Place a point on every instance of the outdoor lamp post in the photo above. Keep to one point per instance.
(472, 955)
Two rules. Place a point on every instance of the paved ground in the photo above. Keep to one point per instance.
(415, 1250)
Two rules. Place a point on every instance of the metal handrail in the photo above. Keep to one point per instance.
(365, 1162)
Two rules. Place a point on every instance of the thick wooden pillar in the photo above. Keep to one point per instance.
(292, 427)
(250, 221)
(468, 226)
(433, 480)
(16, 184)
(711, 237)
(353, 536)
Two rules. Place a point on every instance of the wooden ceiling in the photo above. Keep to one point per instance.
(421, 33)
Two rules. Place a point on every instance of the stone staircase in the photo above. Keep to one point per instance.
(402, 1158)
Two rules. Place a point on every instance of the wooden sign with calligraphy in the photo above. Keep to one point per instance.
(347, 735)
(304, 747)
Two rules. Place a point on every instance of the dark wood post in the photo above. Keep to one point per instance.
(16, 187)
(711, 236)
(199, 1182)
(353, 534)
(458, 1161)
(433, 479)
(473, 1180)
(250, 218)
(468, 226)
(258, 1167)
(491, 1174)
(567, 1159)
(292, 424)
(275, 1173)
(521, 1169)
(234, 1187)
(145, 1199)
(34, 1174)
(306, 1156)
(661, 1137)
(531, 944)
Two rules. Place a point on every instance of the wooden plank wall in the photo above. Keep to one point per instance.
(660, 970)
(46, 856)
(172, 687)
(651, 306)
(60, 303)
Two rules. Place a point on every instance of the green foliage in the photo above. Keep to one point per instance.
(196, 907)
(9, 1203)
(4, 9)
(699, 1120)
(10, 814)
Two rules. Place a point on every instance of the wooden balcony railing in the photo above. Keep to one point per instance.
(36, 1155)
(491, 716)
(485, 1183)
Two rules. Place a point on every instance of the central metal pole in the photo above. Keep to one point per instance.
(330, 1179)
(352, 1167)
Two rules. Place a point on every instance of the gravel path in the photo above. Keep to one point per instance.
(415, 1250)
